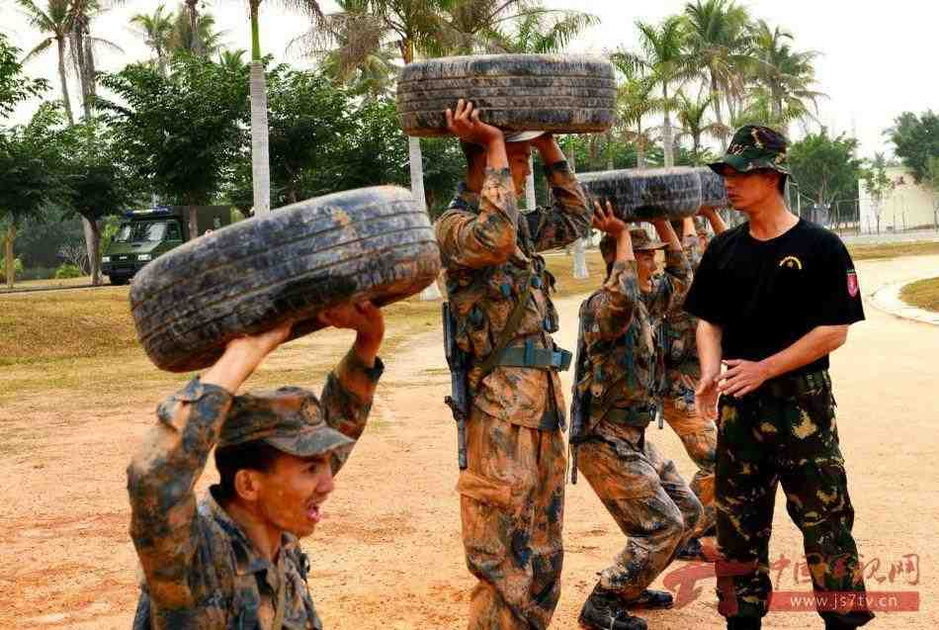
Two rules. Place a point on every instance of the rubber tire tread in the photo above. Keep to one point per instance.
(371, 243)
(646, 194)
(713, 192)
(556, 93)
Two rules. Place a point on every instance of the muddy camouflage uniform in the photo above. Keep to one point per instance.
(201, 570)
(512, 492)
(697, 434)
(643, 492)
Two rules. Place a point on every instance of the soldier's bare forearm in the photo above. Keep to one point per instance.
(708, 337)
(819, 342)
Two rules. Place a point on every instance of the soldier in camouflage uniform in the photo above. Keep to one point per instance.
(697, 434)
(774, 296)
(512, 491)
(234, 560)
(621, 376)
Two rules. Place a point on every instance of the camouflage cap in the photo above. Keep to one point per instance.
(642, 242)
(754, 147)
(289, 419)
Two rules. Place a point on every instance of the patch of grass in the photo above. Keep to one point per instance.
(923, 294)
(50, 283)
(893, 250)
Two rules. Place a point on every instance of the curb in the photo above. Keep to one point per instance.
(887, 299)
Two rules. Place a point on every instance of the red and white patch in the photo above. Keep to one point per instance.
(853, 286)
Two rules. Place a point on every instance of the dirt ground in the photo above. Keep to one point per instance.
(389, 554)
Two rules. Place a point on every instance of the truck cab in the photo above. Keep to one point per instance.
(146, 234)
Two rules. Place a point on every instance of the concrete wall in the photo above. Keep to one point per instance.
(909, 206)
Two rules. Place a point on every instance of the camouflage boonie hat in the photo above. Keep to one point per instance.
(701, 227)
(640, 239)
(754, 147)
(289, 419)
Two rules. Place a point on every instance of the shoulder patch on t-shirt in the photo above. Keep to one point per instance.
(790, 262)
(853, 286)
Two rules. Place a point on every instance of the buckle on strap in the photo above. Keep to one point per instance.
(529, 356)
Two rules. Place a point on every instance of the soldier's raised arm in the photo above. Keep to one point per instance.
(568, 218)
(347, 396)
(670, 291)
(609, 312)
(474, 240)
(164, 471)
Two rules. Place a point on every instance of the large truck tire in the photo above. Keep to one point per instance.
(646, 194)
(555, 93)
(368, 244)
(713, 192)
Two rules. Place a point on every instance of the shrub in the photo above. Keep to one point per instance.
(17, 266)
(68, 271)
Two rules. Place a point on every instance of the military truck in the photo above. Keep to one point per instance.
(146, 234)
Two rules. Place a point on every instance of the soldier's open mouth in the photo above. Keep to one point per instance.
(313, 513)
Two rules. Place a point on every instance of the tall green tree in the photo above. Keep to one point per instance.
(786, 75)
(54, 21)
(879, 185)
(541, 32)
(665, 63)
(916, 138)
(202, 41)
(635, 101)
(157, 29)
(180, 133)
(29, 181)
(718, 42)
(693, 122)
(826, 168)
(15, 86)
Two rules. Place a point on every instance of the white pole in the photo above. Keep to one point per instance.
(432, 292)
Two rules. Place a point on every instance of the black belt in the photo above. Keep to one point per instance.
(531, 357)
(792, 385)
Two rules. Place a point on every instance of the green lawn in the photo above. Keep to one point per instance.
(923, 294)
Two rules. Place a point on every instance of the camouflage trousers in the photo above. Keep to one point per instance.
(764, 440)
(648, 499)
(699, 437)
(512, 508)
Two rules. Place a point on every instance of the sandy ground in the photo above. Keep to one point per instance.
(389, 555)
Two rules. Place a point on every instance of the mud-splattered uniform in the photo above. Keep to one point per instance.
(512, 492)
(201, 571)
(643, 492)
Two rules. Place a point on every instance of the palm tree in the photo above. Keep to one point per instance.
(83, 46)
(55, 23)
(787, 75)
(260, 151)
(158, 30)
(665, 63)
(192, 15)
(691, 117)
(718, 44)
(635, 100)
(232, 60)
(203, 41)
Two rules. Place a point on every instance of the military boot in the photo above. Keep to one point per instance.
(650, 600)
(605, 611)
(691, 551)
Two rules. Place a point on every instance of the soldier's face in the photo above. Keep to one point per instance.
(645, 267)
(292, 493)
(518, 153)
(750, 191)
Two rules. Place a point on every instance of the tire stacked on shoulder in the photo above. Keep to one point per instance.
(713, 192)
(368, 244)
(553, 93)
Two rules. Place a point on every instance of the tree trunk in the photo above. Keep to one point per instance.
(260, 161)
(196, 42)
(65, 99)
(92, 239)
(530, 201)
(640, 147)
(718, 112)
(667, 131)
(609, 150)
(580, 254)
(8, 255)
(416, 163)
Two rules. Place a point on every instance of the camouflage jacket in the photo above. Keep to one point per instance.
(489, 250)
(624, 350)
(680, 329)
(200, 569)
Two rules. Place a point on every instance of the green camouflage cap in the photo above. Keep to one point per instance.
(754, 147)
(640, 240)
(289, 419)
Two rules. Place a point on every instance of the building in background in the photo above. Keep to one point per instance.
(909, 206)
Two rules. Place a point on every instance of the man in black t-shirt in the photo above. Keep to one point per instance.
(774, 297)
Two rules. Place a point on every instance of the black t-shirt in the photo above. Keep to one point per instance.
(766, 295)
